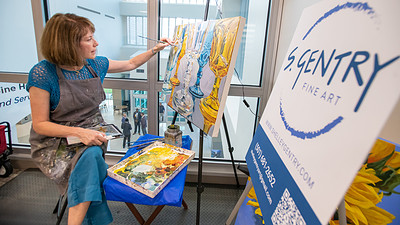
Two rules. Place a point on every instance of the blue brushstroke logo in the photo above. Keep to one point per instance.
(308, 135)
(357, 6)
(362, 7)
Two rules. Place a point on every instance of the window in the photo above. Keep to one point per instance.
(17, 40)
(119, 102)
(118, 27)
(136, 30)
(248, 69)
(240, 125)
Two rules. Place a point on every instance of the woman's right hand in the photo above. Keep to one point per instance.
(91, 137)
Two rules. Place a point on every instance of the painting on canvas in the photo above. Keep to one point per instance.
(199, 70)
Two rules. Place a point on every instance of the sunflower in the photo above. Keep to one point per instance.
(377, 177)
(254, 202)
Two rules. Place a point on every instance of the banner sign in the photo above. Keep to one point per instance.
(337, 86)
(14, 102)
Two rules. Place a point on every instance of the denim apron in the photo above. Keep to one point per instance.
(78, 107)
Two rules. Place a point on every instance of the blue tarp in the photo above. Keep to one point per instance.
(170, 195)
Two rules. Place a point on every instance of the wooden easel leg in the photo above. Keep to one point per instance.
(135, 212)
(239, 203)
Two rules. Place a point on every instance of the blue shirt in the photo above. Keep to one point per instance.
(44, 76)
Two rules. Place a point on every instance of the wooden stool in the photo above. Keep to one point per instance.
(139, 217)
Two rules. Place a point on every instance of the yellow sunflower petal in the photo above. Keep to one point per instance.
(334, 222)
(366, 176)
(376, 215)
(252, 194)
(254, 204)
(368, 192)
(393, 162)
(354, 213)
(380, 150)
(355, 198)
(258, 212)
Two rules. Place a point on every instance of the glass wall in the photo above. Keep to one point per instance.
(118, 26)
(240, 124)
(17, 40)
(121, 26)
(248, 68)
(15, 109)
(250, 57)
(121, 104)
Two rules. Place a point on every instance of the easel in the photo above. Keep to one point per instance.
(200, 187)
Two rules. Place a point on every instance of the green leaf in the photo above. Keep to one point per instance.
(379, 165)
(390, 184)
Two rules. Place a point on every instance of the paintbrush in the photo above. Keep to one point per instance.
(143, 145)
(152, 139)
(158, 41)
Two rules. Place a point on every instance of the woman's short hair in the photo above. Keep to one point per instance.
(61, 37)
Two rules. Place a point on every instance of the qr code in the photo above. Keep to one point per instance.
(287, 212)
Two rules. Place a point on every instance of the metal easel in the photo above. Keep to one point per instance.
(200, 187)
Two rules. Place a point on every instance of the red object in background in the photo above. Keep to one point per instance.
(3, 143)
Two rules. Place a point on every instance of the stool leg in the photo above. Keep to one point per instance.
(154, 214)
(60, 216)
(55, 210)
(135, 212)
(185, 206)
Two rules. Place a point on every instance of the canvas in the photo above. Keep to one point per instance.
(199, 70)
(151, 169)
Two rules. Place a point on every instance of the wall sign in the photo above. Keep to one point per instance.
(14, 102)
(336, 88)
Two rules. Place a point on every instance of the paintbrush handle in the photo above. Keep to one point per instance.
(158, 41)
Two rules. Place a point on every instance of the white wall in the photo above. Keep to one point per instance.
(292, 10)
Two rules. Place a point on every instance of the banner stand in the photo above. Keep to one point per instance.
(342, 213)
(239, 203)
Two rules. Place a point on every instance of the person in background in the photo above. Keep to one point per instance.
(126, 130)
(65, 92)
(161, 111)
(136, 118)
(123, 119)
(143, 122)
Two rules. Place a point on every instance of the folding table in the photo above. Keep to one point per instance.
(171, 195)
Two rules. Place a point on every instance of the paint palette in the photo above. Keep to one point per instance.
(151, 169)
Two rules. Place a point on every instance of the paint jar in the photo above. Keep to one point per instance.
(173, 135)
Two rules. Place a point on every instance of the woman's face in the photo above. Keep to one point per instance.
(88, 46)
